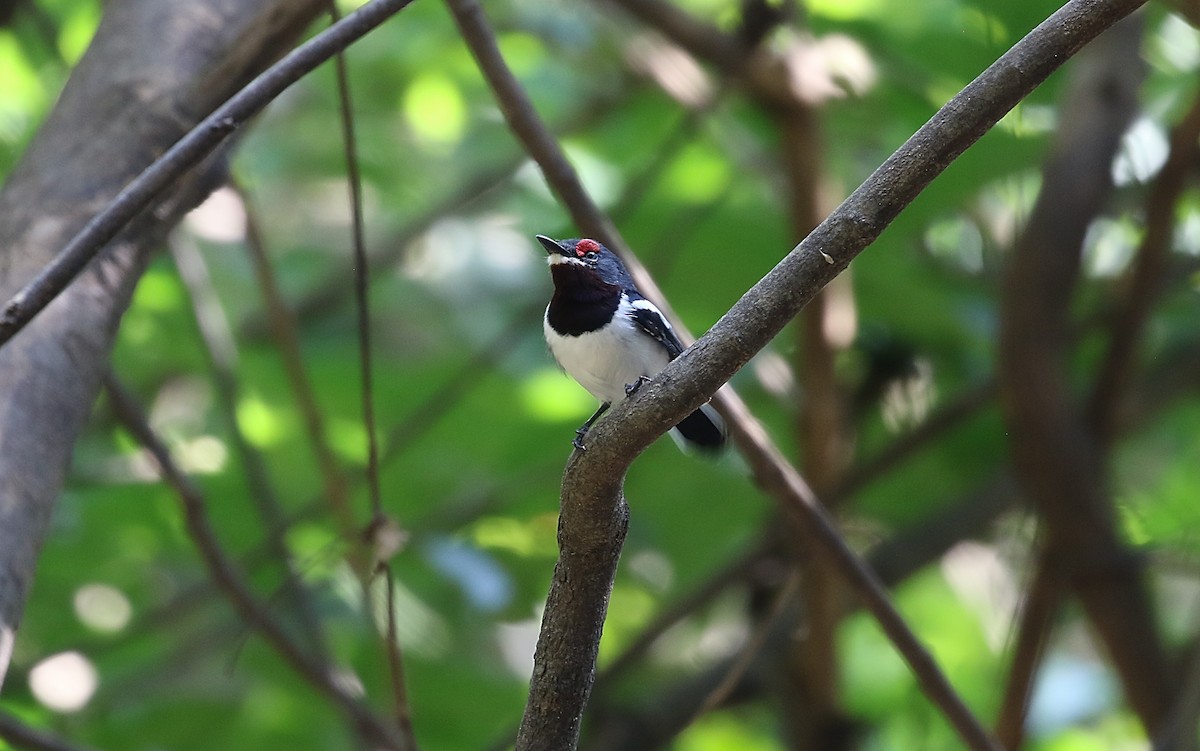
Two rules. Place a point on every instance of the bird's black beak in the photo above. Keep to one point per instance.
(551, 245)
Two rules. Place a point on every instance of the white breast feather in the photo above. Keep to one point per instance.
(607, 360)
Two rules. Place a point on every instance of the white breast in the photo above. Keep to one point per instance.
(605, 361)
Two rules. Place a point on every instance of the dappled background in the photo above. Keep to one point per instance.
(887, 397)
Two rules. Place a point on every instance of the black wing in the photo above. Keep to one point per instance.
(651, 320)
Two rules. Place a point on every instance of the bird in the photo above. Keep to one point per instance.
(607, 336)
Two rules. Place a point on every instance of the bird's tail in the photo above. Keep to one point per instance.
(703, 431)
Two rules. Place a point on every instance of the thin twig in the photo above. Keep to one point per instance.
(185, 154)
(362, 276)
(232, 582)
(395, 658)
(362, 279)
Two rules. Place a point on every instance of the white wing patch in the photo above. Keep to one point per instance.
(647, 305)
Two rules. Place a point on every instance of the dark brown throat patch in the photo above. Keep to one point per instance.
(582, 301)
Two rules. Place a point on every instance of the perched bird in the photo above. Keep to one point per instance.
(610, 338)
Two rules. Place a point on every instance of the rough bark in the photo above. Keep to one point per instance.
(154, 69)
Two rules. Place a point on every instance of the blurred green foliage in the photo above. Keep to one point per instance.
(475, 486)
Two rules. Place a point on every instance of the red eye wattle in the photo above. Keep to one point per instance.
(583, 247)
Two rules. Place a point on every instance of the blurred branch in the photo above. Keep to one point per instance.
(1176, 371)
(331, 292)
(701, 40)
(287, 340)
(22, 736)
(594, 516)
(221, 351)
(895, 560)
(224, 572)
(739, 570)
(453, 387)
(968, 516)
(764, 73)
(1146, 277)
(808, 678)
(1042, 601)
(182, 156)
(1058, 459)
(754, 648)
(948, 415)
(654, 723)
(1178, 733)
(659, 159)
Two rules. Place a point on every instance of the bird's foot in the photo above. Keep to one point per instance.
(583, 429)
(631, 388)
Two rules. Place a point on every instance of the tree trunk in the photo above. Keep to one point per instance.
(154, 69)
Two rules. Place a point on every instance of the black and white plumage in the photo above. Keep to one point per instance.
(609, 337)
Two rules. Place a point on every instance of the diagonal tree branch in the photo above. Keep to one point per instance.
(594, 515)
(182, 156)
